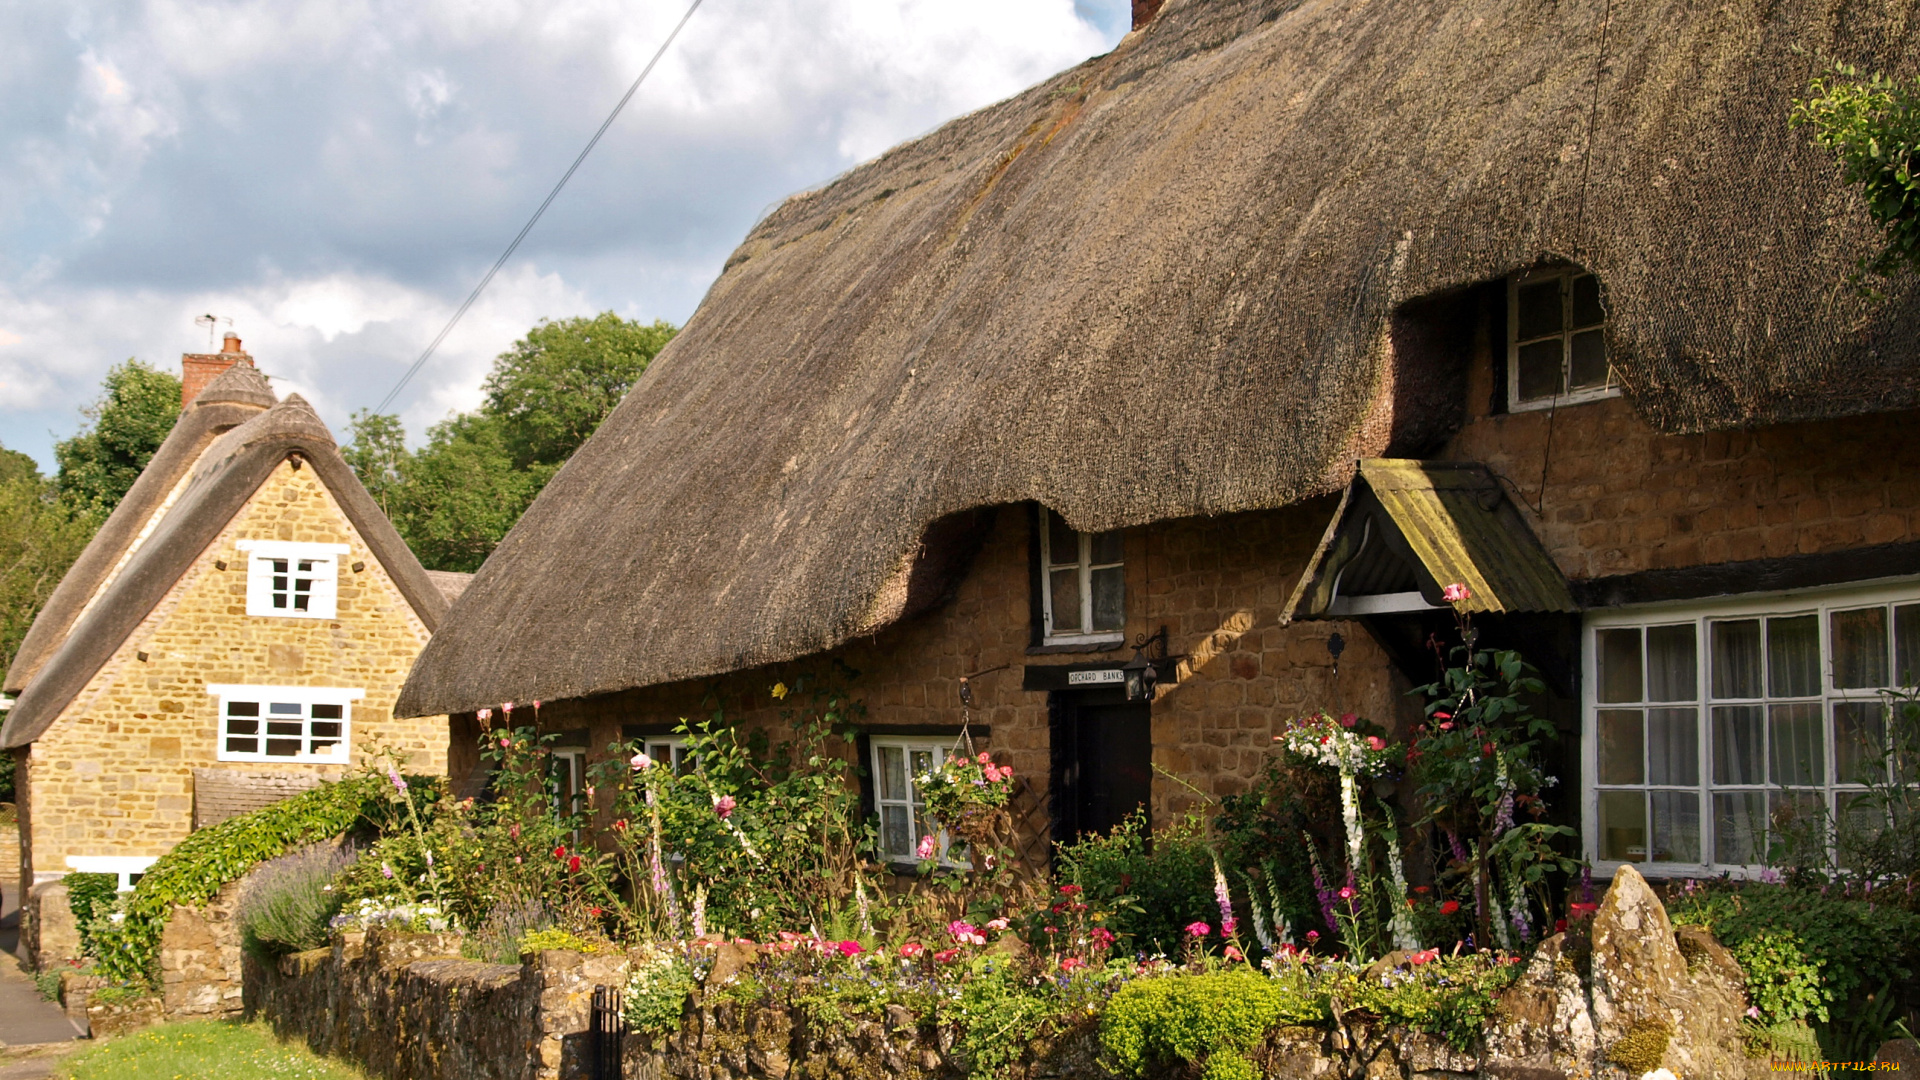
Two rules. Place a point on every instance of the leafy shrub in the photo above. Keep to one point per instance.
(1212, 1020)
(1781, 981)
(1857, 944)
(658, 985)
(392, 913)
(1151, 884)
(1452, 997)
(206, 860)
(290, 900)
(497, 941)
(90, 897)
(534, 941)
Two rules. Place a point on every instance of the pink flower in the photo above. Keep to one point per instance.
(641, 762)
(912, 949)
(386, 870)
(1313, 936)
(983, 758)
(1071, 963)
(507, 708)
(1753, 1012)
(1228, 925)
(1375, 742)
(927, 847)
(1069, 890)
(398, 783)
(849, 948)
(1456, 593)
(1198, 929)
(724, 806)
(1347, 719)
(997, 924)
(946, 956)
(992, 773)
(1234, 953)
(1101, 937)
(1345, 893)
(1448, 726)
(504, 742)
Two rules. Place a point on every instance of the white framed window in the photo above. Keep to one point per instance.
(312, 724)
(1556, 340)
(1709, 724)
(568, 768)
(290, 579)
(668, 750)
(1084, 588)
(896, 796)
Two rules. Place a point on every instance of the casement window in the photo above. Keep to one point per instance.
(567, 768)
(667, 750)
(1556, 342)
(1707, 727)
(292, 580)
(312, 724)
(903, 812)
(1083, 584)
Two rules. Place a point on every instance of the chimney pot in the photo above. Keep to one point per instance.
(231, 344)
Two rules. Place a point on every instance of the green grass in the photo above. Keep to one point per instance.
(206, 1050)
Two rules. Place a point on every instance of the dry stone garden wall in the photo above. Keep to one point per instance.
(1628, 997)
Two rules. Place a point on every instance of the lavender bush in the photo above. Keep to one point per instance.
(287, 906)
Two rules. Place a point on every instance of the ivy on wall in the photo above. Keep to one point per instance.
(196, 869)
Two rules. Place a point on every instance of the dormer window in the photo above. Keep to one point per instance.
(1556, 342)
(1083, 584)
(290, 579)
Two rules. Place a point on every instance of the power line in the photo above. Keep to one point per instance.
(532, 221)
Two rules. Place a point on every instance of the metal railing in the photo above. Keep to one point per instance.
(606, 1035)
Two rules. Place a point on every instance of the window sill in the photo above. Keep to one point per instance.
(1091, 645)
(1578, 397)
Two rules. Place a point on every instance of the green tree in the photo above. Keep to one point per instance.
(455, 498)
(1872, 127)
(40, 536)
(377, 453)
(129, 422)
(554, 386)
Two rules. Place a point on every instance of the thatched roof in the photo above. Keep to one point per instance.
(221, 478)
(233, 397)
(1160, 284)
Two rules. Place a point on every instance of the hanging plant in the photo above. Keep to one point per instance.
(968, 797)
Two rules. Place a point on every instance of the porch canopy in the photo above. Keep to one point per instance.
(1407, 529)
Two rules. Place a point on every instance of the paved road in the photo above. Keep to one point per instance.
(26, 1018)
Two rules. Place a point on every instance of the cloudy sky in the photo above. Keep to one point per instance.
(334, 175)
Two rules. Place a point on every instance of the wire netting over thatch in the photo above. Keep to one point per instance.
(1160, 284)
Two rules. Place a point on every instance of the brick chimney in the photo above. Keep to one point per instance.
(1144, 11)
(199, 369)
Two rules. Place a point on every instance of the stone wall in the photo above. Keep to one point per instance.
(201, 975)
(114, 773)
(406, 1008)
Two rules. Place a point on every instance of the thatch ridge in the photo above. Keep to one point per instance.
(226, 476)
(230, 399)
(1163, 284)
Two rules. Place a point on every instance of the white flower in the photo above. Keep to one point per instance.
(1659, 1074)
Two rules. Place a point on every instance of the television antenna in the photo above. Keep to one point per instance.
(212, 323)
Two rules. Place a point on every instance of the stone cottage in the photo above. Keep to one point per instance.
(1158, 404)
(237, 631)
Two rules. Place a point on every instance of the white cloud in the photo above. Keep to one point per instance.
(335, 174)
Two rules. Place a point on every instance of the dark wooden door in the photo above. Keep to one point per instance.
(1102, 761)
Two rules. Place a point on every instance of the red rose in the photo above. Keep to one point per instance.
(1449, 907)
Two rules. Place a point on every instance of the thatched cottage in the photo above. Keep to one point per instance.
(1259, 331)
(237, 630)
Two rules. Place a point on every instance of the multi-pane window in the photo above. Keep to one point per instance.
(290, 579)
(903, 812)
(1712, 730)
(670, 751)
(285, 723)
(567, 769)
(1556, 344)
(1085, 588)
